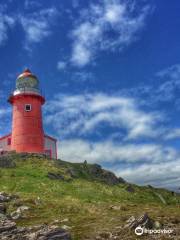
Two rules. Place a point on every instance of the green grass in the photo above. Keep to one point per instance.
(83, 200)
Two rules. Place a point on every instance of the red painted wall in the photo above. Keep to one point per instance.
(27, 127)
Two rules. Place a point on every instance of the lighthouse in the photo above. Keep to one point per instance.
(27, 122)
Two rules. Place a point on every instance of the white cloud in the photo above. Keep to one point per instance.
(6, 22)
(172, 72)
(83, 76)
(114, 12)
(172, 134)
(5, 113)
(165, 88)
(37, 25)
(100, 21)
(29, 4)
(113, 152)
(144, 163)
(83, 114)
(61, 65)
(162, 174)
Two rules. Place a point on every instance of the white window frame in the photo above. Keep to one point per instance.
(30, 107)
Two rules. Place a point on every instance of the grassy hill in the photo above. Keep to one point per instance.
(84, 197)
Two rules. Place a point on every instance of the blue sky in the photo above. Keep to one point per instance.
(110, 71)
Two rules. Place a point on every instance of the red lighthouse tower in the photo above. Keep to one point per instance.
(27, 126)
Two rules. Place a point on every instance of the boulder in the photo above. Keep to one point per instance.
(14, 215)
(52, 233)
(19, 212)
(143, 221)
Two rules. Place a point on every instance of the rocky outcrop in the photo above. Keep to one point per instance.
(10, 231)
(55, 176)
(6, 226)
(105, 176)
(88, 171)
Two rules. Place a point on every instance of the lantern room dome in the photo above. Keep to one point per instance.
(27, 81)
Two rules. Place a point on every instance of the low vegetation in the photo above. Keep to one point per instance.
(80, 197)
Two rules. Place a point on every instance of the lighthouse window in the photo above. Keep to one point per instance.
(28, 107)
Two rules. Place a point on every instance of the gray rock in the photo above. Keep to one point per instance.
(55, 176)
(95, 169)
(19, 212)
(118, 208)
(53, 233)
(2, 216)
(130, 189)
(2, 208)
(64, 220)
(4, 197)
(22, 209)
(105, 176)
(9, 231)
(110, 178)
(143, 221)
(72, 172)
(14, 215)
(7, 225)
(66, 227)
(121, 180)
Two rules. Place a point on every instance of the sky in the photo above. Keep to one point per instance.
(110, 72)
